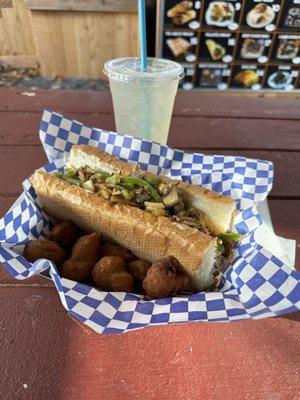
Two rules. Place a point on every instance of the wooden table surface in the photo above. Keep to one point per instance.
(45, 354)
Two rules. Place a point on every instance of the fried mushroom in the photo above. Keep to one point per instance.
(84, 256)
(65, 234)
(87, 248)
(43, 248)
(80, 271)
(160, 279)
(112, 249)
(139, 268)
(163, 278)
(110, 274)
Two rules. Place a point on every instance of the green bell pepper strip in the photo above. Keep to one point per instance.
(130, 181)
(72, 181)
(229, 237)
(154, 181)
(101, 176)
(70, 173)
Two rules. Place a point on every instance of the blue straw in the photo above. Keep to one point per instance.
(143, 36)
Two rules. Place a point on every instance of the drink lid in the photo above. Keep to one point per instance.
(129, 69)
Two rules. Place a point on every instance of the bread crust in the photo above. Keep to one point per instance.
(149, 237)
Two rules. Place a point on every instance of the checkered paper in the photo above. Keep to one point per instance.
(256, 285)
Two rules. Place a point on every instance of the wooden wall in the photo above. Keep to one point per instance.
(16, 34)
(69, 43)
(78, 43)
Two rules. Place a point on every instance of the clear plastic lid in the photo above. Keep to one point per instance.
(129, 69)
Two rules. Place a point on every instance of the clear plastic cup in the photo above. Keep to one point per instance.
(143, 101)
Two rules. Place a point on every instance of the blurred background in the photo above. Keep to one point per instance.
(64, 43)
(233, 45)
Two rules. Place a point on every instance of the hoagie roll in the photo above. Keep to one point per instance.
(151, 215)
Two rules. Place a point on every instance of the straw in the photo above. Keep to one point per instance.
(143, 36)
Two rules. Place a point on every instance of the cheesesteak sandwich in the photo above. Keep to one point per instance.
(151, 215)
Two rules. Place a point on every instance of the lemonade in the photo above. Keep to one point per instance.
(143, 101)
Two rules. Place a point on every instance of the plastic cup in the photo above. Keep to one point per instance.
(143, 101)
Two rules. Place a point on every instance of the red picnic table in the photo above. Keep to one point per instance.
(47, 355)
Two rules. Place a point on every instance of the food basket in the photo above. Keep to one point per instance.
(257, 284)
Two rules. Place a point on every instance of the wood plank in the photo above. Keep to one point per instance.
(70, 41)
(24, 20)
(4, 45)
(214, 133)
(89, 43)
(186, 104)
(65, 101)
(6, 203)
(116, 6)
(29, 61)
(234, 133)
(17, 163)
(22, 128)
(286, 218)
(286, 221)
(18, 32)
(72, 44)
(49, 43)
(260, 354)
(236, 106)
(19, 128)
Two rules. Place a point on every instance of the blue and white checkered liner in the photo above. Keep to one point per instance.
(257, 284)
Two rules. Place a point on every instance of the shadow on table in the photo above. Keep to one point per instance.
(293, 317)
